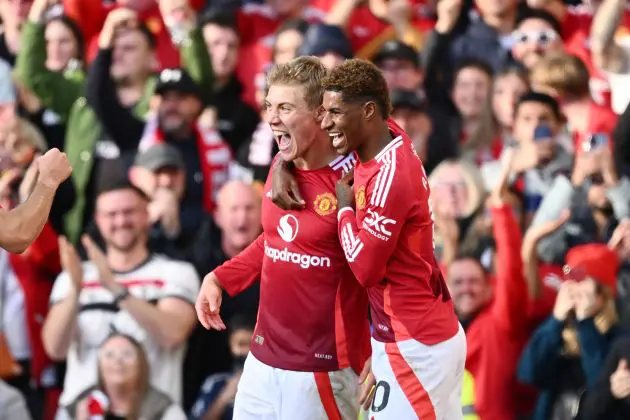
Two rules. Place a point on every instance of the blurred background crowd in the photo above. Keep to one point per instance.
(158, 104)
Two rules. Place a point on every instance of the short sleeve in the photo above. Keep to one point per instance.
(61, 288)
(183, 282)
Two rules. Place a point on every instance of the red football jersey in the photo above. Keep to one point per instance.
(313, 314)
(389, 245)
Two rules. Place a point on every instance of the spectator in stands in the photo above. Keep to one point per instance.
(238, 220)
(216, 399)
(537, 32)
(12, 15)
(567, 78)
(327, 42)
(567, 352)
(494, 316)
(540, 155)
(508, 86)
(64, 59)
(127, 60)
(123, 388)
(288, 40)
(400, 64)
(148, 297)
(431, 141)
(609, 397)
(236, 120)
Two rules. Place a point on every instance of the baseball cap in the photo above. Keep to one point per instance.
(160, 156)
(399, 50)
(177, 80)
(407, 99)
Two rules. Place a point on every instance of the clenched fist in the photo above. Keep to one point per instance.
(53, 168)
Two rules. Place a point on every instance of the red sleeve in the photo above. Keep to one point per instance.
(510, 291)
(44, 251)
(368, 250)
(241, 271)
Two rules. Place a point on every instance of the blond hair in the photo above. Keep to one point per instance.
(307, 72)
(604, 320)
(22, 130)
(565, 74)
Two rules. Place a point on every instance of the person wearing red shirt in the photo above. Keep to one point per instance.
(418, 346)
(312, 333)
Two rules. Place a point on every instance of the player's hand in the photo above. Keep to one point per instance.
(620, 381)
(53, 168)
(367, 385)
(345, 192)
(208, 303)
(285, 191)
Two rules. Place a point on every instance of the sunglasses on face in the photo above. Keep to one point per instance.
(538, 37)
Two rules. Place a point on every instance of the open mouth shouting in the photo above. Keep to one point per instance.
(283, 140)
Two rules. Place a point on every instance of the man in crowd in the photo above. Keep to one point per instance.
(311, 334)
(127, 289)
(389, 246)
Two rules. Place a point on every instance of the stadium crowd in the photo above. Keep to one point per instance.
(158, 105)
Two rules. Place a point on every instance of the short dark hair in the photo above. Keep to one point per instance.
(360, 81)
(219, 18)
(121, 184)
(541, 98)
(472, 255)
(299, 25)
(474, 63)
(242, 321)
(540, 15)
(147, 34)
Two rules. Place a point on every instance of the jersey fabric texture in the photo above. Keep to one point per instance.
(313, 313)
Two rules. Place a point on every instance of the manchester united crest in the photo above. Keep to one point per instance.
(359, 197)
(325, 204)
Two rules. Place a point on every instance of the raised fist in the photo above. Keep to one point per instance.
(53, 168)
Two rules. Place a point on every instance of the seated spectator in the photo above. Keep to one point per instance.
(609, 398)
(216, 400)
(123, 389)
(149, 297)
(567, 352)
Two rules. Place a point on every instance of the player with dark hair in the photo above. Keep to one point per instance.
(312, 333)
(418, 346)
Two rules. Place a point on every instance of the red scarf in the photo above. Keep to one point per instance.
(214, 153)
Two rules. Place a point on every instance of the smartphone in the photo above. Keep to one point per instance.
(594, 141)
(542, 133)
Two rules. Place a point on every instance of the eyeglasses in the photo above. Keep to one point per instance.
(538, 37)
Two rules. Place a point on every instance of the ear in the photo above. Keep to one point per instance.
(319, 113)
(370, 110)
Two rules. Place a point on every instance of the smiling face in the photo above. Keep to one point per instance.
(294, 124)
(122, 218)
(343, 122)
(468, 287)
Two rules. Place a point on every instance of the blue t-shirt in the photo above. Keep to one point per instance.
(210, 391)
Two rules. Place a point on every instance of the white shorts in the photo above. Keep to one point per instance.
(267, 393)
(416, 381)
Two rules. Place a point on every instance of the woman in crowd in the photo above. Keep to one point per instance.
(123, 390)
(566, 353)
